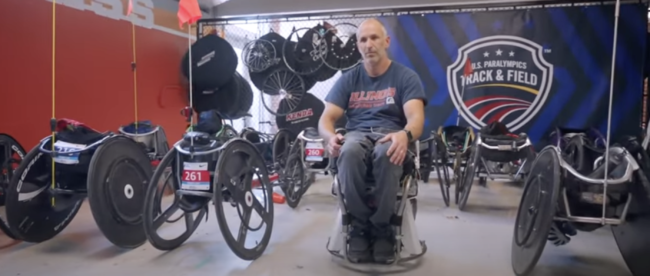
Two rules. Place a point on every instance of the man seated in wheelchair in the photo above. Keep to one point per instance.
(384, 104)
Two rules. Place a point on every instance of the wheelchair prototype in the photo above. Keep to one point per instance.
(12, 154)
(208, 167)
(451, 146)
(495, 145)
(564, 195)
(408, 245)
(112, 171)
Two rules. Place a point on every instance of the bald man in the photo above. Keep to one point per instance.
(384, 104)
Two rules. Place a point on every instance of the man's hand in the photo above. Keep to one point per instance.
(334, 145)
(397, 150)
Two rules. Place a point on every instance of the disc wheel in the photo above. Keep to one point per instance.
(258, 55)
(282, 85)
(536, 211)
(281, 147)
(117, 180)
(466, 180)
(12, 153)
(239, 166)
(293, 179)
(304, 51)
(440, 153)
(632, 235)
(30, 214)
(152, 216)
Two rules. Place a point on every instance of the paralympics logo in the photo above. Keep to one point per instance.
(499, 78)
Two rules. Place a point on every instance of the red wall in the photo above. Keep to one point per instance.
(94, 82)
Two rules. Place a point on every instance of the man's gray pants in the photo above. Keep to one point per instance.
(358, 153)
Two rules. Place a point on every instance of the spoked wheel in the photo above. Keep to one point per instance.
(466, 180)
(241, 174)
(440, 153)
(304, 51)
(30, 213)
(343, 53)
(285, 87)
(153, 219)
(11, 154)
(293, 179)
(536, 211)
(281, 147)
(119, 172)
(258, 55)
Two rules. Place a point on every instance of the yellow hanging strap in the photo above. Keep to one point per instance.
(135, 77)
(53, 120)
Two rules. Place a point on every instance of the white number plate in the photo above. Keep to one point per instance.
(64, 154)
(195, 176)
(314, 152)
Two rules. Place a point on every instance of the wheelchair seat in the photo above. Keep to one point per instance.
(311, 133)
(409, 247)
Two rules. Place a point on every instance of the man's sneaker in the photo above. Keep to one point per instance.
(383, 245)
(359, 244)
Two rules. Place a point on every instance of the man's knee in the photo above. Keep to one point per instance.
(380, 154)
(352, 152)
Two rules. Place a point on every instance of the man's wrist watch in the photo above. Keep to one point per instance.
(408, 134)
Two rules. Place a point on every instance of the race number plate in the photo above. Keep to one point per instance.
(314, 152)
(195, 176)
(65, 152)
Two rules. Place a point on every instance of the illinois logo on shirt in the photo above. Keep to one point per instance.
(372, 99)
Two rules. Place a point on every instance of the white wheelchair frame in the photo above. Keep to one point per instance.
(408, 244)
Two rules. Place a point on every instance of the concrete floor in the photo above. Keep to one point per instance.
(471, 243)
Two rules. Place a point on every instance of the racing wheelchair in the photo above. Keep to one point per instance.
(207, 167)
(565, 195)
(12, 154)
(495, 151)
(112, 171)
(451, 146)
(306, 157)
(408, 245)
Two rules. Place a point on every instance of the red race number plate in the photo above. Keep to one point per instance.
(195, 176)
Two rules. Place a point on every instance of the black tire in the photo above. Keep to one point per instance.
(232, 160)
(43, 222)
(466, 181)
(281, 147)
(458, 172)
(440, 153)
(152, 213)
(116, 198)
(530, 238)
(293, 176)
(12, 154)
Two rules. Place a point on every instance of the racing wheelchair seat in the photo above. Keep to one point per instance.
(408, 246)
(311, 133)
(151, 137)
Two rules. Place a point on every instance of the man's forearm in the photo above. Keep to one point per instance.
(416, 126)
(326, 128)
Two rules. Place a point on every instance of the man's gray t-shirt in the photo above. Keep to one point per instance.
(376, 102)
